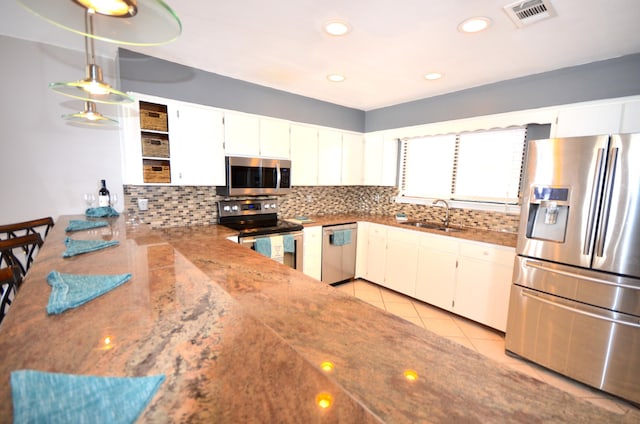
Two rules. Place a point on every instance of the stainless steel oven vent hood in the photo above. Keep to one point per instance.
(524, 13)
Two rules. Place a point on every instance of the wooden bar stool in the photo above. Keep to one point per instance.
(9, 281)
(19, 252)
(27, 227)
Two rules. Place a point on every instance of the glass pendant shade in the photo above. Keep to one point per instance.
(92, 88)
(138, 23)
(90, 116)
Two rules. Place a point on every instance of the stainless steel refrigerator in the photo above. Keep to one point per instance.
(575, 299)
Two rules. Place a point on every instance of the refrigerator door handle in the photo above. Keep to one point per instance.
(532, 295)
(594, 204)
(606, 208)
(541, 267)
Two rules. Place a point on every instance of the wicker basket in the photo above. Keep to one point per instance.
(156, 171)
(154, 146)
(153, 120)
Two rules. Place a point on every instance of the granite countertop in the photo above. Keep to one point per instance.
(486, 236)
(242, 338)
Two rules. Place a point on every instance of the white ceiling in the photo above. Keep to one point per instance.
(280, 44)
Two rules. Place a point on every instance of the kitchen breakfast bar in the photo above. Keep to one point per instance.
(241, 338)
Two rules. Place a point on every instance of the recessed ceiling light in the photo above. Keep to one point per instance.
(476, 24)
(433, 76)
(335, 77)
(337, 28)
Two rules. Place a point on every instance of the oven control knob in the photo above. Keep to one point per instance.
(266, 206)
(234, 208)
(226, 208)
(273, 206)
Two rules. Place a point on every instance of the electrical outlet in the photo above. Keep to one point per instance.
(376, 197)
(309, 198)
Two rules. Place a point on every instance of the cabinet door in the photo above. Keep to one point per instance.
(389, 162)
(377, 253)
(436, 274)
(362, 249)
(197, 152)
(484, 283)
(130, 144)
(274, 138)
(304, 155)
(589, 120)
(312, 252)
(241, 134)
(402, 261)
(380, 160)
(630, 117)
(352, 159)
(329, 157)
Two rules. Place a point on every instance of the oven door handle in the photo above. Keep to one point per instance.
(531, 295)
(253, 239)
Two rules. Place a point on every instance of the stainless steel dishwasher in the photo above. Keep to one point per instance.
(339, 252)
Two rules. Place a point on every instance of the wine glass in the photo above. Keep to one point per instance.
(89, 199)
(113, 199)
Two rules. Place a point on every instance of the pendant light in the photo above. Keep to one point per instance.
(90, 116)
(92, 88)
(132, 22)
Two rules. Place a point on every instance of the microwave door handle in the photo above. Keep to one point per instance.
(278, 176)
(606, 207)
(594, 204)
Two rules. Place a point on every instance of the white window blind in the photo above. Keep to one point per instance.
(482, 166)
(489, 164)
(427, 166)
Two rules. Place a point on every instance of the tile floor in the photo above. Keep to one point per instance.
(472, 335)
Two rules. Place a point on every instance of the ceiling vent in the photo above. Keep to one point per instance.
(525, 13)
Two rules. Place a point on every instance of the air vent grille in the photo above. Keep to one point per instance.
(524, 13)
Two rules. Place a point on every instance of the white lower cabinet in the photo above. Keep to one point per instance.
(402, 260)
(312, 252)
(469, 278)
(436, 274)
(483, 283)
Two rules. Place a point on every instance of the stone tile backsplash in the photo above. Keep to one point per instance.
(173, 206)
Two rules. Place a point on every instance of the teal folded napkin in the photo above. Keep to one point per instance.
(79, 224)
(289, 244)
(101, 212)
(43, 397)
(69, 290)
(77, 247)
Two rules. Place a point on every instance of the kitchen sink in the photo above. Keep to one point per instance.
(431, 226)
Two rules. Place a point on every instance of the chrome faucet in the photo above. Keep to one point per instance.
(446, 205)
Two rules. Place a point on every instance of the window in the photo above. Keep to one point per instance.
(483, 166)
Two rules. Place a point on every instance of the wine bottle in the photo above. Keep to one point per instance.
(104, 199)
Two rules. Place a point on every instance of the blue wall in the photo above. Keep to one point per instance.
(612, 78)
(149, 75)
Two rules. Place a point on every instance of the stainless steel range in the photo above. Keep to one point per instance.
(259, 228)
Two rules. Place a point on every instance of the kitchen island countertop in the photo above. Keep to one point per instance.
(241, 338)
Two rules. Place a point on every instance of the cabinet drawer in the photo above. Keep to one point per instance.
(155, 145)
(377, 230)
(155, 120)
(403, 236)
(156, 171)
(440, 243)
(488, 253)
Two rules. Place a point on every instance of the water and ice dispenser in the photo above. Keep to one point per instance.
(548, 213)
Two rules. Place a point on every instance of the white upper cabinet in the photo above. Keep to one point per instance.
(380, 160)
(197, 150)
(630, 117)
(304, 155)
(352, 158)
(329, 157)
(241, 134)
(275, 138)
(589, 120)
(254, 136)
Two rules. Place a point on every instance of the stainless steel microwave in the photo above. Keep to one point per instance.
(256, 177)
